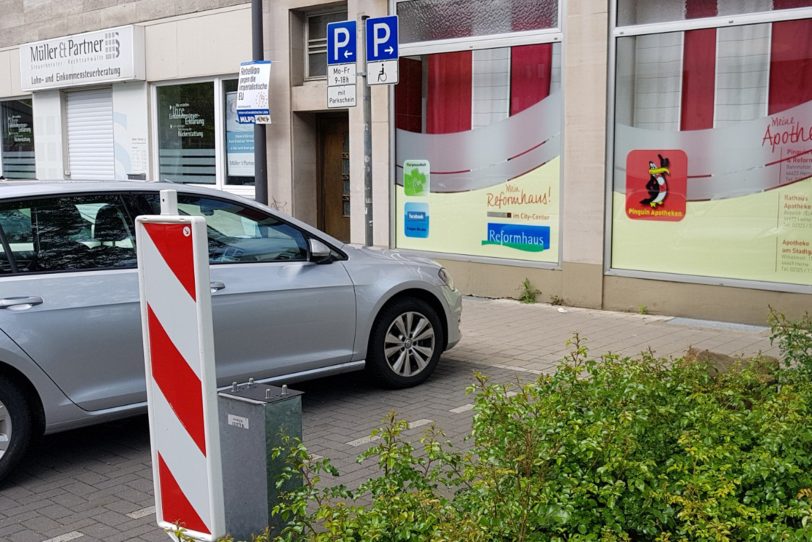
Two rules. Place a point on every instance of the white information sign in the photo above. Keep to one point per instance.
(253, 92)
(341, 96)
(382, 73)
(105, 56)
(341, 85)
(341, 74)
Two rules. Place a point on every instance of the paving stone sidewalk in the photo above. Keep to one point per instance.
(96, 483)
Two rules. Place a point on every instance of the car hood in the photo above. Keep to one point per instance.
(391, 255)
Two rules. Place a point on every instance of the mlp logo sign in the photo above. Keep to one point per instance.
(518, 236)
(656, 182)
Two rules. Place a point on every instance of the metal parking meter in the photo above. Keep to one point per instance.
(254, 418)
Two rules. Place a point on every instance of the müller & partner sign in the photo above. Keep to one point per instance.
(105, 56)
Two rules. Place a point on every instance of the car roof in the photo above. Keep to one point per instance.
(16, 189)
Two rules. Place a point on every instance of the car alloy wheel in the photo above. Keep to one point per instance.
(409, 344)
(5, 429)
(405, 343)
(16, 426)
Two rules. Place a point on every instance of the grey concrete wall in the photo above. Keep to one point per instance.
(23, 21)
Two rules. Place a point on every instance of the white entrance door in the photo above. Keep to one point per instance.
(90, 134)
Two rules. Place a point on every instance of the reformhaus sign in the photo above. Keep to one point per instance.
(104, 56)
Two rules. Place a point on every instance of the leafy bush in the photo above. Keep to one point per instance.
(794, 340)
(608, 449)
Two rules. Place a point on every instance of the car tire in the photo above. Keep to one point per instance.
(16, 426)
(405, 343)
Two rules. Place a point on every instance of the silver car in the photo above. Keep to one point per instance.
(289, 302)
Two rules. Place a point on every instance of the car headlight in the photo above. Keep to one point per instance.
(446, 277)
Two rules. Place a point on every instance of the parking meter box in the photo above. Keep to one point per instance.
(254, 420)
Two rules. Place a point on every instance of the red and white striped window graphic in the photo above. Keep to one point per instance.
(176, 319)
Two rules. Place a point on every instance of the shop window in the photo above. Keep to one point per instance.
(478, 143)
(316, 29)
(632, 12)
(427, 20)
(186, 138)
(713, 138)
(239, 140)
(17, 132)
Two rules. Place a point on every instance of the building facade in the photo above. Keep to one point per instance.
(647, 156)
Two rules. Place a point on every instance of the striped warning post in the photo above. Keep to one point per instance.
(176, 321)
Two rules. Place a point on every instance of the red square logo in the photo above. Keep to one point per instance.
(656, 181)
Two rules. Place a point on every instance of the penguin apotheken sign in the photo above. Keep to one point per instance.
(656, 182)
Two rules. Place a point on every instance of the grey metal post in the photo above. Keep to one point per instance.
(367, 112)
(260, 149)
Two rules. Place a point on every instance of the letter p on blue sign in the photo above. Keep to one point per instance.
(341, 42)
(382, 38)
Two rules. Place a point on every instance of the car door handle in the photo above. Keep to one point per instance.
(19, 303)
(216, 286)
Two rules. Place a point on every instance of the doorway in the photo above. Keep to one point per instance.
(333, 134)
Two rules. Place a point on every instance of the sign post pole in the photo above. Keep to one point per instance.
(381, 51)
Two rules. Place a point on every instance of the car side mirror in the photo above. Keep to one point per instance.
(319, 252)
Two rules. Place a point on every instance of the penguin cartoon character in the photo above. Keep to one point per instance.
(657, 185)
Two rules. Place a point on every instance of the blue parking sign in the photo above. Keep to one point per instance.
(382, 38)
(341, 42)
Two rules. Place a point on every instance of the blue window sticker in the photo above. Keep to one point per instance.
(518, 236)
(416, 220)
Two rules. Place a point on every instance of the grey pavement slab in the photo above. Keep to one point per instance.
(96, 483)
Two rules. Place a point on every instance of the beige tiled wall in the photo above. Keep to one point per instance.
(23, 21)
(294, 96)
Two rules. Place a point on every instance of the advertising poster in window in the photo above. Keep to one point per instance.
(731, 196)
(239, 142)
(478, 169)
(17, 131)
(186, 133)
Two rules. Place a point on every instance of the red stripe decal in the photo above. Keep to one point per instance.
(174, 242)
(175, 507)
(177, 381)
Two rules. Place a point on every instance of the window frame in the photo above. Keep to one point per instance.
(199, 197)
(29, 97)
(336, 10)
(121, 196)
(340, 255)
(491, 41)
(220, 146)
(618, 32)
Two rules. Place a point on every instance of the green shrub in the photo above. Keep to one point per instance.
(794, 339)
(608, 449)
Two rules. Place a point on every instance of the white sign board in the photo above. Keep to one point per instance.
(341, 74)
(382, 73)
(253, 92)
(105, 56)
(341, 86)
(341, 96)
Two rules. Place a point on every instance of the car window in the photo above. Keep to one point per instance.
(239, 234)
(67, 234)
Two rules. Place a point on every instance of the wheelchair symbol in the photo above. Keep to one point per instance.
(382, 74)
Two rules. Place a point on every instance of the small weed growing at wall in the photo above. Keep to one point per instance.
(529, 292)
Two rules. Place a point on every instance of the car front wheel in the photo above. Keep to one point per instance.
(405, 344)
(16, 425)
